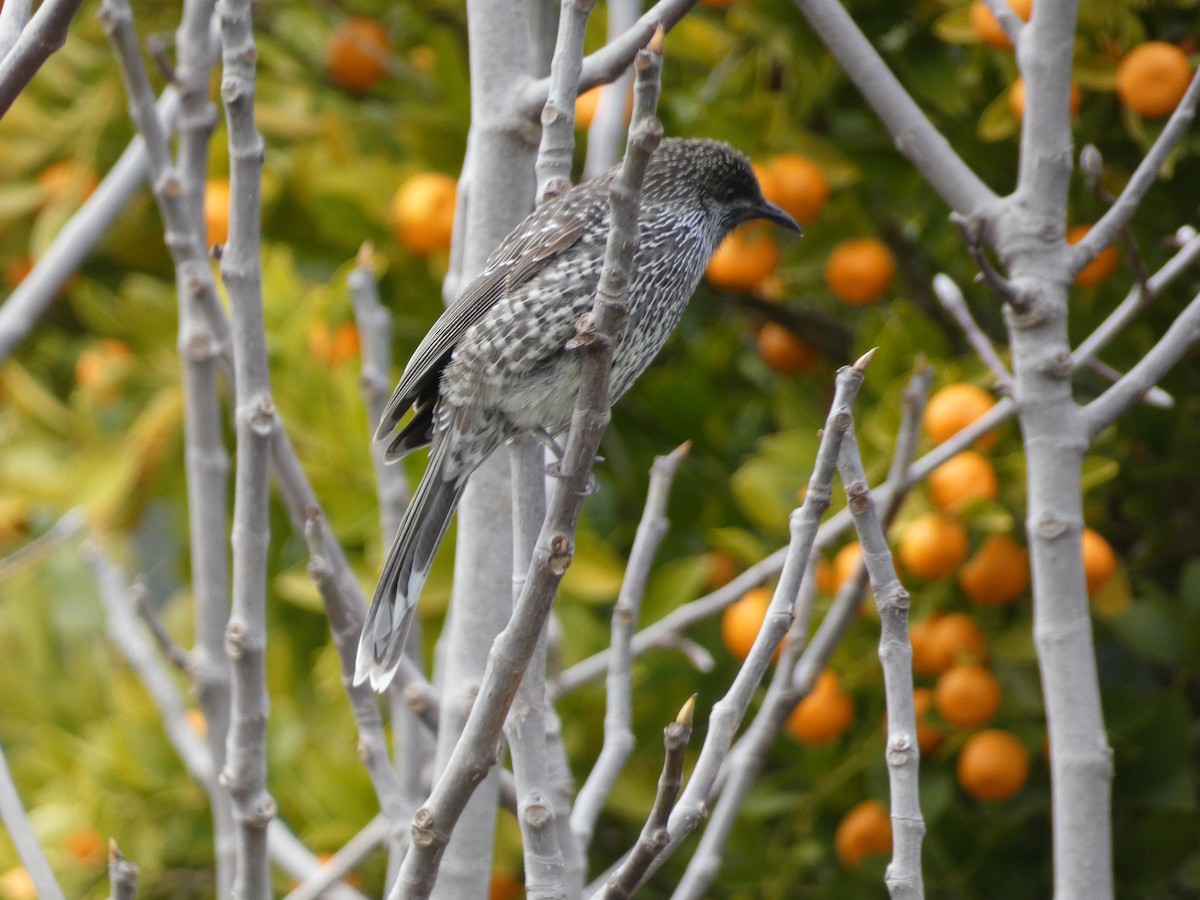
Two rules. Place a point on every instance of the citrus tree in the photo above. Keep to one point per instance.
(1025, 623)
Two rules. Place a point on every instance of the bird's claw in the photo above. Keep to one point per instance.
(554, 470)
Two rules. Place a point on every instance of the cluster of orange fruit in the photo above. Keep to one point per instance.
(949, 648)
(1151, 78)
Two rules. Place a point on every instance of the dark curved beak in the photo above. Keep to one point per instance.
(764, 209)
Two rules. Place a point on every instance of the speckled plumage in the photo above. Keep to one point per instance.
(496, 364)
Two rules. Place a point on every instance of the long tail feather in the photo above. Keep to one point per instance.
(421, 531)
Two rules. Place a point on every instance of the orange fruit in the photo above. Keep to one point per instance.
(859, 271)
(864, 830)
(953, 408)
(952, 639)
(87, 847)
(993, 765)
(1099, 560)
(101, 366)
(989, 29)
(797, 184)
(742, 620)
(358, 54)
(67, 180)
(845, 563)
(197, 722)
(932, 546)
(588, 102)
(823, 573)
(782, 351)
(722, 569)
(586, 105)
(920, 635)
(929, 736)
(967, 695)
(505, 886)
(746, 256)
(17, 884)
(1016, 99)
(423, 212)
(963, 479)
(16, 270)
(1099, 268)
(997, 574)
(824, 715)
(1152, 79)
(216, 212)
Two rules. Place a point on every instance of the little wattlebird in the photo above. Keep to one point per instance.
(500, 361)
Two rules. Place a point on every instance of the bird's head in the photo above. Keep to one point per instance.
(715, 176)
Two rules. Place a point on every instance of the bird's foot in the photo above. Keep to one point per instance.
(554, 470)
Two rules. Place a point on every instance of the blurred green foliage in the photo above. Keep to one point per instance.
(91, 416)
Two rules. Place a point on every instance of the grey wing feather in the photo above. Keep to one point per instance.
(513, 263)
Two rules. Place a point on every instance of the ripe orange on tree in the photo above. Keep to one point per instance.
(423, 212)
(865, 830)
(722, 569)
(859, 271)
(929, 736)
(1016, 99)
(989, 29)
(998, 573)
(358, 53)
(588, 102)
(1099, 559)
(953, 408)
(962, 479)
(920, 635)
(952, 639)
(746, 256)
(216, 211)
(505, 886)
(782, 351)
(967, 695)
(993, 765)
(1152, 79)
(797, 184)
(932, 546)
(101, 366)
(1099, 268)
(742, 620)
(86, 847)
(67, 180)
(845, 563)
(824, 715)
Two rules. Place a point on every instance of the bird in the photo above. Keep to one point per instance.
(500, 361)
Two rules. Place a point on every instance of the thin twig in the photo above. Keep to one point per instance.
(344, 861)
(45, 33)
(952, 301)
(1007, 19)
(904, 879)
(1137, 299)
(553, 166)
(36, 293)
(728, 712)
(175, 654)
(914, 135)
(971, 229)
(618, 715)
(126, 632)
(20, 831)
(122, 874)
(1153, 395)
(345, 624)
(1181, 336)
(69, 526)
(1106, 229)
(655, 837)
(14, 16)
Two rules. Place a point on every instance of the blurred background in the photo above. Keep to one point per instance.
(364, 107)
